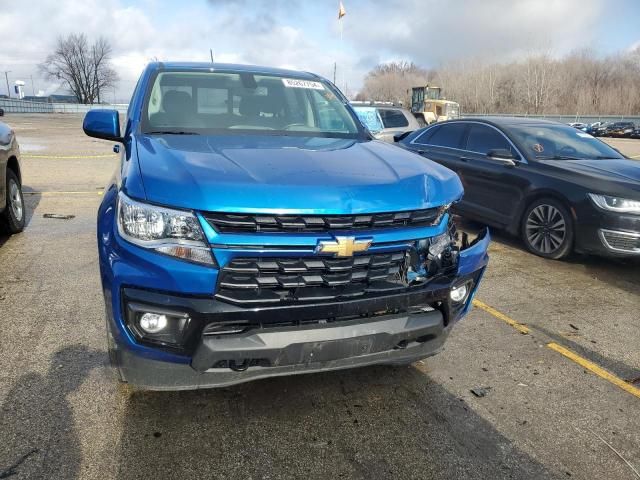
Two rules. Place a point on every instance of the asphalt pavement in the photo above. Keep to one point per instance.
(543, 413)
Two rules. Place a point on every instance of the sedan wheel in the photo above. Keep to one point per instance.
(13, 217)
(15, 200)
(547, 229)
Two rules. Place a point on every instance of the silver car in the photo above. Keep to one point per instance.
(385, 120)
(12, 212)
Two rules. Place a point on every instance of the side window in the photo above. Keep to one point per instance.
(482, 139)
(425, 137)
(393, 118)
(448, 135)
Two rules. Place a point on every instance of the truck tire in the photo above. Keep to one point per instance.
(13, 217)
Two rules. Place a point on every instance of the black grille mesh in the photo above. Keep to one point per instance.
(240, 223)
(313, 278)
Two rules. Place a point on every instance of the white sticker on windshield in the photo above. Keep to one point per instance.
(583, 135)
(296, 83)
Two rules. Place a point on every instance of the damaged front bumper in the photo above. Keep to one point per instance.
(388, 329)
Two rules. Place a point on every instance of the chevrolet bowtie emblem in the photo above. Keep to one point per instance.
(343, 246)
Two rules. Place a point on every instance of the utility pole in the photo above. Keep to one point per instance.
(33, 89)
(6, 77)
(334, 72)
(211, 53)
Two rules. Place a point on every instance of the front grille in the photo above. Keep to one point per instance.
(311, 278)
(621, 241)
(241, 223)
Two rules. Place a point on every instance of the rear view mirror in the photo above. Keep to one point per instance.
(103, 124)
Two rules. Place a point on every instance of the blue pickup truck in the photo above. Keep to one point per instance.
(254, 228)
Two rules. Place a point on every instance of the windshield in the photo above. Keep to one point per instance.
(243, 102)
(560, 142)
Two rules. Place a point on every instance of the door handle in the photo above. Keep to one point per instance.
(465, 159)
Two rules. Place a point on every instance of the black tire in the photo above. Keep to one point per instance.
(13, 217)
(547, 229)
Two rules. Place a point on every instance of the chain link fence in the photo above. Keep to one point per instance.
(13, 105)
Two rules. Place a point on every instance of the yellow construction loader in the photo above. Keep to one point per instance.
(428, 106)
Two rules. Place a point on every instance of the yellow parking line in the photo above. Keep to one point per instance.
(583, 362)
(593, 368)
(67, 156)
(501, 316)
(62, 193)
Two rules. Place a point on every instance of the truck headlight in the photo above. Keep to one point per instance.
(172, 232)
(615, 204)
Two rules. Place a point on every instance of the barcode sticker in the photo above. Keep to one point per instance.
(296, 83)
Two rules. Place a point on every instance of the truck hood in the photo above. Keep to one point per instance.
(289, 174)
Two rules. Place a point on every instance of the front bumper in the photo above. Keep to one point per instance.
(392, 339)
(606, 233)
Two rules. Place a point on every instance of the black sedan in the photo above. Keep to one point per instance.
(559, 188)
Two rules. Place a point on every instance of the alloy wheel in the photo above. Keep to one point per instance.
(15, 200)
(546, 228)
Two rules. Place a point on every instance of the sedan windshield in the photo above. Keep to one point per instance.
(560, 142)
(181, 102)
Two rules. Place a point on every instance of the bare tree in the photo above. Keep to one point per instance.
(84, 68)
(538, 82)
(392, 82)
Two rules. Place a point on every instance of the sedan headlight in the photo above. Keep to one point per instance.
(172, 232)
(615, 204)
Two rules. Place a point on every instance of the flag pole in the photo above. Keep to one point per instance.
(341, 13)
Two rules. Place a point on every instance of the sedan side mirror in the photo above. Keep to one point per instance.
(502, 155)
(103, 124)
(400, 136)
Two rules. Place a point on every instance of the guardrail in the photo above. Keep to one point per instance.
(13, 105)
(564, 118)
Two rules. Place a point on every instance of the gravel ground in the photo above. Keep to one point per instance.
(544, 416)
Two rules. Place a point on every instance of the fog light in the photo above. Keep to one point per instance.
(458, 294)
(153, 322)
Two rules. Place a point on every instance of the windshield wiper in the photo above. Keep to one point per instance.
(171, 132)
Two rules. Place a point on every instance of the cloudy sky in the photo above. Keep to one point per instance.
(305, 35)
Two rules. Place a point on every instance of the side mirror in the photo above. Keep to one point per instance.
(399, 136)
(502, 155)
(103, 124)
